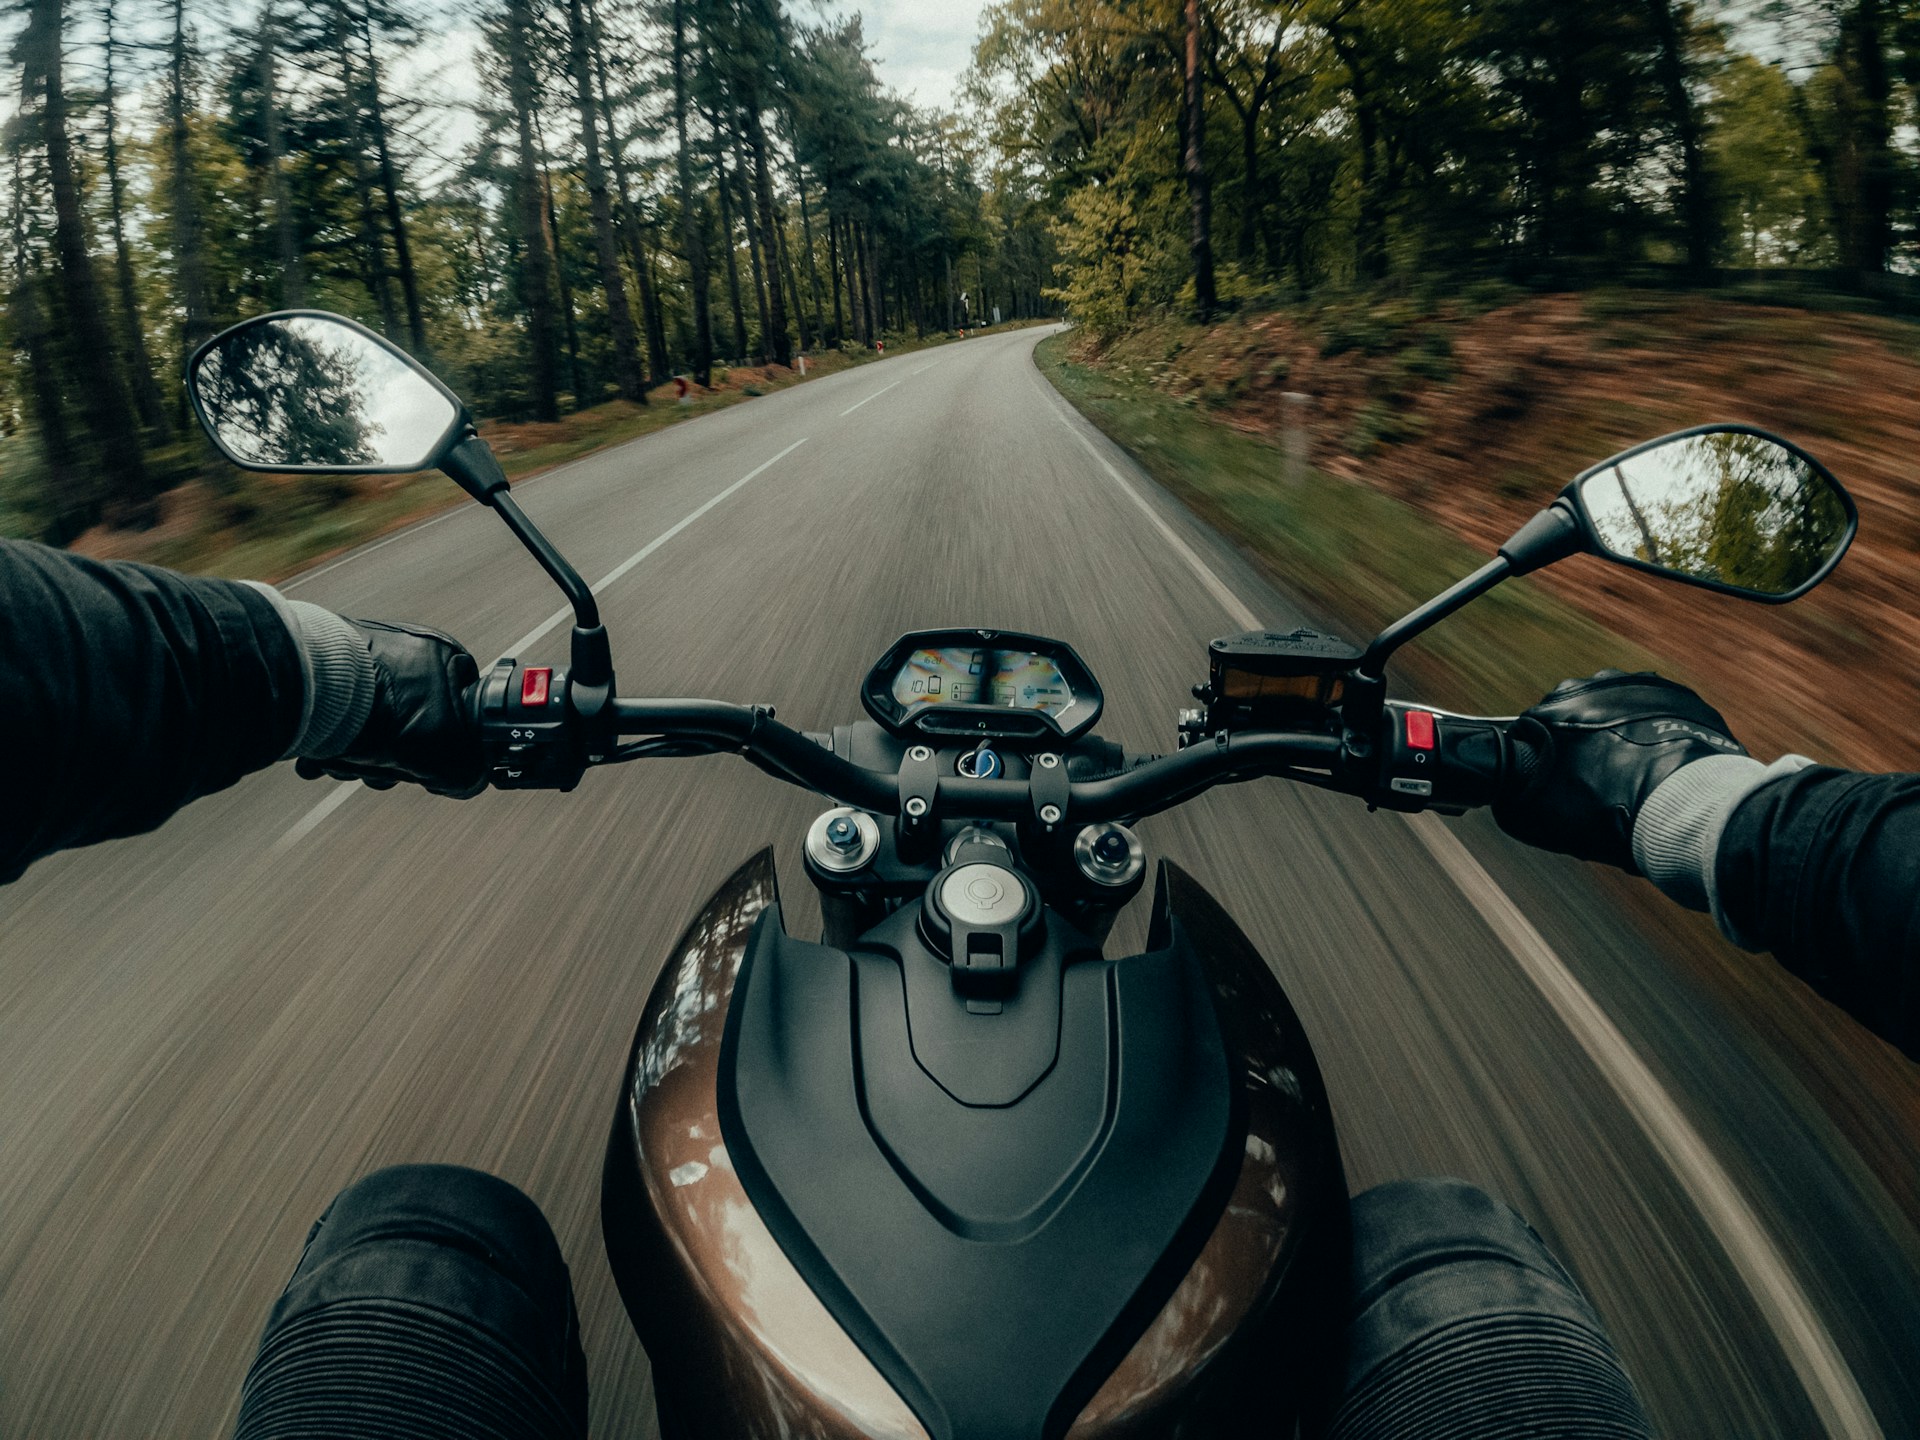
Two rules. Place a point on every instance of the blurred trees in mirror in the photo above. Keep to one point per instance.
(1733, 508)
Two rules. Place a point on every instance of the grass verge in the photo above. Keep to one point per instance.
(1357, 557)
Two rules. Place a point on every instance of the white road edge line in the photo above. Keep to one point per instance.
(875, 396)
(344, 790)
(1829, 1384)
(1796, 1327)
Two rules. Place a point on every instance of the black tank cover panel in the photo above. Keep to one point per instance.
(994, 1262)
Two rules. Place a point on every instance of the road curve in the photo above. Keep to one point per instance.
(207, 1031)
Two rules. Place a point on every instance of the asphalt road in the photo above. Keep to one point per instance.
(207, 1031)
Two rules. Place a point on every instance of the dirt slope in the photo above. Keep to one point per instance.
(1476, 417)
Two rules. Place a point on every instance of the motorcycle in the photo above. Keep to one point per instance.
(951, 1171)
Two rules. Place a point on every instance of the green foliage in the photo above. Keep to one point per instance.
(1448, 144)
(1774, 211)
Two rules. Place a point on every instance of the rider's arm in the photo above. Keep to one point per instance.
(127, 691)
(1818, 865)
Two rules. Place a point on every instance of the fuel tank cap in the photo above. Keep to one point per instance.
(980, 917)
(983, 895)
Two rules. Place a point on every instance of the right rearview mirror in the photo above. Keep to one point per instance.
(1724, 506)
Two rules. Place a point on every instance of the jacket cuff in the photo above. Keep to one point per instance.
(339, 672)
(1676, 837)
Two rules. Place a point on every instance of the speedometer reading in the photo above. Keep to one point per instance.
(1005, 679)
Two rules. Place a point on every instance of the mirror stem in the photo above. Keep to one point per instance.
(1374, 663)
(586, 610)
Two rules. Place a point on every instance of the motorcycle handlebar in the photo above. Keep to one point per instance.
(1149, 785)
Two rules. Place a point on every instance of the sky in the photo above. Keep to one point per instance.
(919, 47)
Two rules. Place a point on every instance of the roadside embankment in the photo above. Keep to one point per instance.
(1369, 453)
(1425, 438)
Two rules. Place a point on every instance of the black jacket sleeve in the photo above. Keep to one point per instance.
(127, 691)
(1823, 869)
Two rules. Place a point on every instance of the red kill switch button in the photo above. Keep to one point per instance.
(1420, 729)
(535, 684)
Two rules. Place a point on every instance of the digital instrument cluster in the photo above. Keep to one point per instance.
(982, 683)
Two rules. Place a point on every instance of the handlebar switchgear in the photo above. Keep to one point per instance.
(527, 730)
(1435, 761)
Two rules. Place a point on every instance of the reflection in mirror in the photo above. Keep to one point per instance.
(303, 391)
(1726, 507)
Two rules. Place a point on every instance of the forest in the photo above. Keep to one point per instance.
(1217, 152)
(651, 188)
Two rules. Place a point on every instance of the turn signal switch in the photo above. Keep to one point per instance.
(527, 729)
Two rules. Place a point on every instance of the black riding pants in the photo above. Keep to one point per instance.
(433, 1302)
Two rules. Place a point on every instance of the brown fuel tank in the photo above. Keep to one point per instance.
(742, 1346)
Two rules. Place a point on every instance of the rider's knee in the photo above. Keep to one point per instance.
(1460, 1320)
(426, 1292)
(450, 1209)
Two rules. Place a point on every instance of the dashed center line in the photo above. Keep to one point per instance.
(344, 790)
(875, 396)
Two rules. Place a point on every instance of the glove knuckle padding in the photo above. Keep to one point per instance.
(1592, 752)
(422, 725)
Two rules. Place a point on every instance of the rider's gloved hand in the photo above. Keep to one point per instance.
(421, 725)
(1589, 755)
(385, 703)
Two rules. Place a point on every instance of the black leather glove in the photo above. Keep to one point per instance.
(1587, 757)
(423, 726)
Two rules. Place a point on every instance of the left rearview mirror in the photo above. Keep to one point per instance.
(1727, 507)
(309, 391)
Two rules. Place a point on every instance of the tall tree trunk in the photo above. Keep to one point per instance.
(110, 417)
(1199, 187)
(756, 248)
(779, 343)
(693, 232)
(372, 247)
(67, 476)
(286, 243)
(188, 265)
(1370, 248)
(833, 273)
(146, 392)
(806, 233)
(1250, 196)
(870, 291)
(657, 362)
(535, 261)
(859, 274)
(570, 324)
(723, 183)
(1697, 210)
(790, 278)
(626, 360)
(390, 188)
(1863, 39)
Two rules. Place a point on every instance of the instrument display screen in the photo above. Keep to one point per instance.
(971, 675)
(982, 684)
